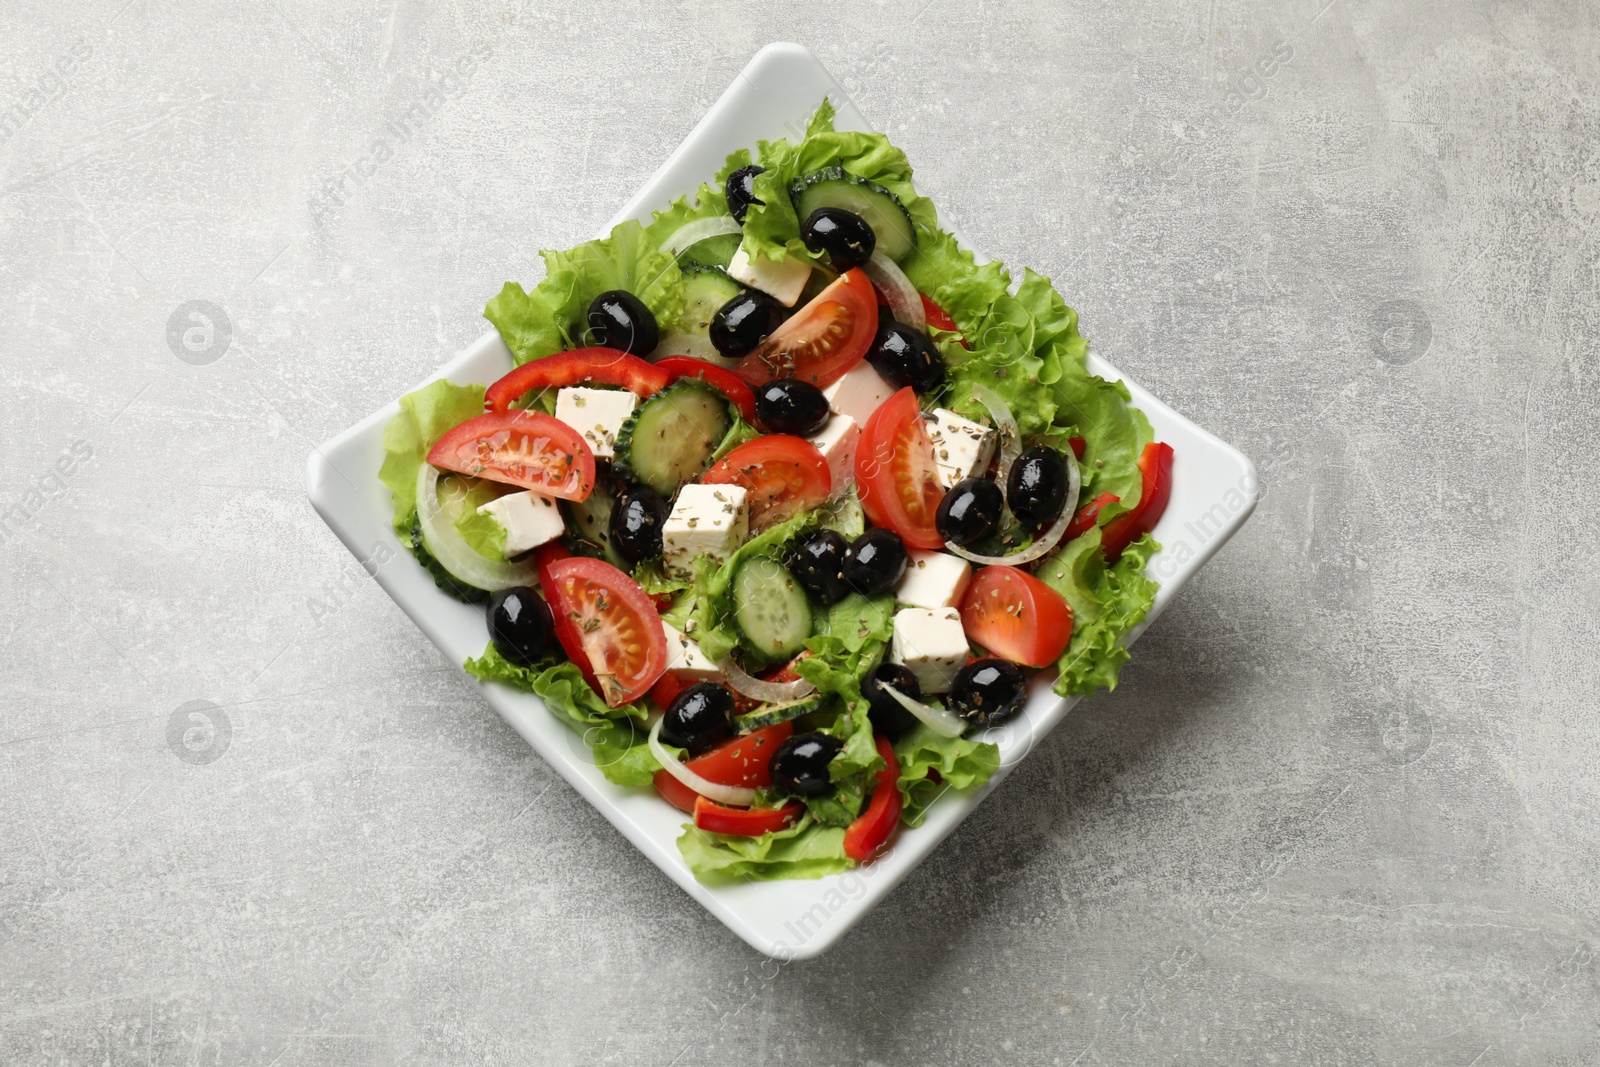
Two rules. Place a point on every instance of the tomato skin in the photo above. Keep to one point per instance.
(1155, 464)
(939, 319)
(666, 689)
(872, 827)
(721, 379)
(599, 366)
(896, 474)
(566, 633)
(616, 624)
(1013, 614)
(675, 792)
(783, 474)
(528, 449)
(746, 760)
(1077, 444)
(796, 349)
(1088, 516)
(714, 818)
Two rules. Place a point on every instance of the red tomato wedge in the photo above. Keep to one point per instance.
(1077, 444)
(896, 474)
(823, 340)
(783, 474)
(566, 632)
(597, 366)
(939, 319)
(675, 792)
(872, 827)
(666, 689)
(714, 818)
(1088, 516)
(722, 380)
(522, 448)
(1013, 614)
(743, 761)
(616, 624)
(1155, 464)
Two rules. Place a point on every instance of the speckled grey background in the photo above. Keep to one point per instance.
(1342, 810)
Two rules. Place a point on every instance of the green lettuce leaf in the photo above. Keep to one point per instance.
(805, 850)
(1106, 602)
(425, 415)
(962, 763)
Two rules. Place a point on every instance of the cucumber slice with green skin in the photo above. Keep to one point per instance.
(773, 714)
(437, 535)
(836, 187)
(712, 252)
(704, 292)
(442, 578)
(771, 608)
(670, 439)
(589, 521)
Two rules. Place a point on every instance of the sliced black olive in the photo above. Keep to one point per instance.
(843, 235)
(889, 716)
(520, 625)
(1036, 488)
(741, 190)
(618, 319)
(988, 691)
(817, 562)
(904, 356)
(800, 765)
(636, 523)
(744, 322)
(970, 512)
(789, 405)
(875, 562)
(698, 717)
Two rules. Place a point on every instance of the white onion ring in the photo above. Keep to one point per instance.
(441, 538)
(764, 691)
(941, 721)
(689, 344)
(1005, 426)
(737, 795)
(1045, 542)
(903, 298)
(692, 233)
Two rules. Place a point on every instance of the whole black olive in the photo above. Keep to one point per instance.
(520, 625)
(698, 717)
(845, 236)
(875, 562)
(889, 716)
(744, 322)
(1036, 487)
(970, 512)
(817, 562)
(741, 190)
(904, 356)
(988, 691)
(789, 405)
(636, 523)
(618, 319)
(800, 765)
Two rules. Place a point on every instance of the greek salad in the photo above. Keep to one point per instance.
(784, 502)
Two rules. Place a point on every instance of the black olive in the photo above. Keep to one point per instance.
(817, 562)
(789, 405)
(970, 512)
(904, 356)
(988, 691)
(636, 523)
(741, 190)
(1036, 488)
(800, 765)
(843, 235)
(889, 716)
(698, 717)
(520, 625)
(744, 322)
(875, 562)
(618, 319)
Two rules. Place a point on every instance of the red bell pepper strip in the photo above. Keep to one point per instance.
(939, 319)
(666, 689)
(1077, 444)
(874, 825)
(1088, 515)
(566, 633)
(723, 381)
(1155, 465)
(744, 822)
(597, 366)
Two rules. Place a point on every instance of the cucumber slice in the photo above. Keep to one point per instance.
(712, 252)
(442, 578)
(773, 714)
(436, 523)
(670, 439)
(836, 187)
(589, 521)
(704, 292)
(770, 608)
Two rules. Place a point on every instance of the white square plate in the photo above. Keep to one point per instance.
(1213, 494)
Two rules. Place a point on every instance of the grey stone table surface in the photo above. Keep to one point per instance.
(1342, 809)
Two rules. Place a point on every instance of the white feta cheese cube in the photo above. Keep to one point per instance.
(781, 279)
(858, 393)
(962, 448)
(931, 644)
(933, 579)
(684, 657)
(528, 519)
(597, 414)
(707, 520)
(837, 442)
